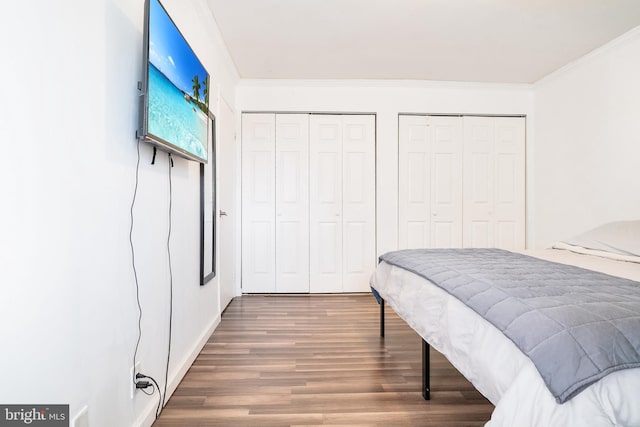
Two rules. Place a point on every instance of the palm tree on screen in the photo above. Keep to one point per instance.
(196, 87)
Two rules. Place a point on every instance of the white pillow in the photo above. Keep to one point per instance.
(616, 240)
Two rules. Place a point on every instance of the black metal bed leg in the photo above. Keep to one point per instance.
(382, 317)
(426, 392)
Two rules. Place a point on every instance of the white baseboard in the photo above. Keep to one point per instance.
(148, 415)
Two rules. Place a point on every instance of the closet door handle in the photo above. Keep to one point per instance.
(223, 213)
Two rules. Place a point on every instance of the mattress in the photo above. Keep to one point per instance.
(494, 364)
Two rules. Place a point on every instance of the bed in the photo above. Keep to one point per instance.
(499, 368)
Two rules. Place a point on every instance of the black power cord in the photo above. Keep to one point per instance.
(133, 260)
(140, 385)
(166, 374)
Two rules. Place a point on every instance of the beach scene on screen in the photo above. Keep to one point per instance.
(178, 87)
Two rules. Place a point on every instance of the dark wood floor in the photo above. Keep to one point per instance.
(318, 360)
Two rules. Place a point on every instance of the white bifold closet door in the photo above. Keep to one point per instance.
(275, 203)
(258, 203)
(342, 202)
(494, 182)
(461, 182)
(430, 182)
(292, 203)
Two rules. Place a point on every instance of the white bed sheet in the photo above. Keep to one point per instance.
(496, 367)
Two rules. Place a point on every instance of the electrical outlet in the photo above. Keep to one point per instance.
(81, 419)
(132, 374)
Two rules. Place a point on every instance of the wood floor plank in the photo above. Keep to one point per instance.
(318, 360)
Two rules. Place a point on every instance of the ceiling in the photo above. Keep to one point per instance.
(506, 41)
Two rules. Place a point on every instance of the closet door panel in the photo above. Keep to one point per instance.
(430, 182)
(445, 234)
(478, 234)
(358, 202)
(415, 233)
(494, 182)
(414, 195)
(509, 210)
(478, 224)
(260, 247)
(325, 201)
(328, 262)
(446, 182)
(292, 202)
(507, 234)
(258, 203)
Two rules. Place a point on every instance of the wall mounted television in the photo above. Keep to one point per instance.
(174, 92)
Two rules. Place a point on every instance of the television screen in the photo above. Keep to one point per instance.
(175, 110)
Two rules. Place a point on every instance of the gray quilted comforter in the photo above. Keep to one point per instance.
(576, 325)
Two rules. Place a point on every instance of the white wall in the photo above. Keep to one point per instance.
(386, 99)
(587, 151)
(68, 113)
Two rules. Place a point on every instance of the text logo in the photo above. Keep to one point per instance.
(34, 415)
